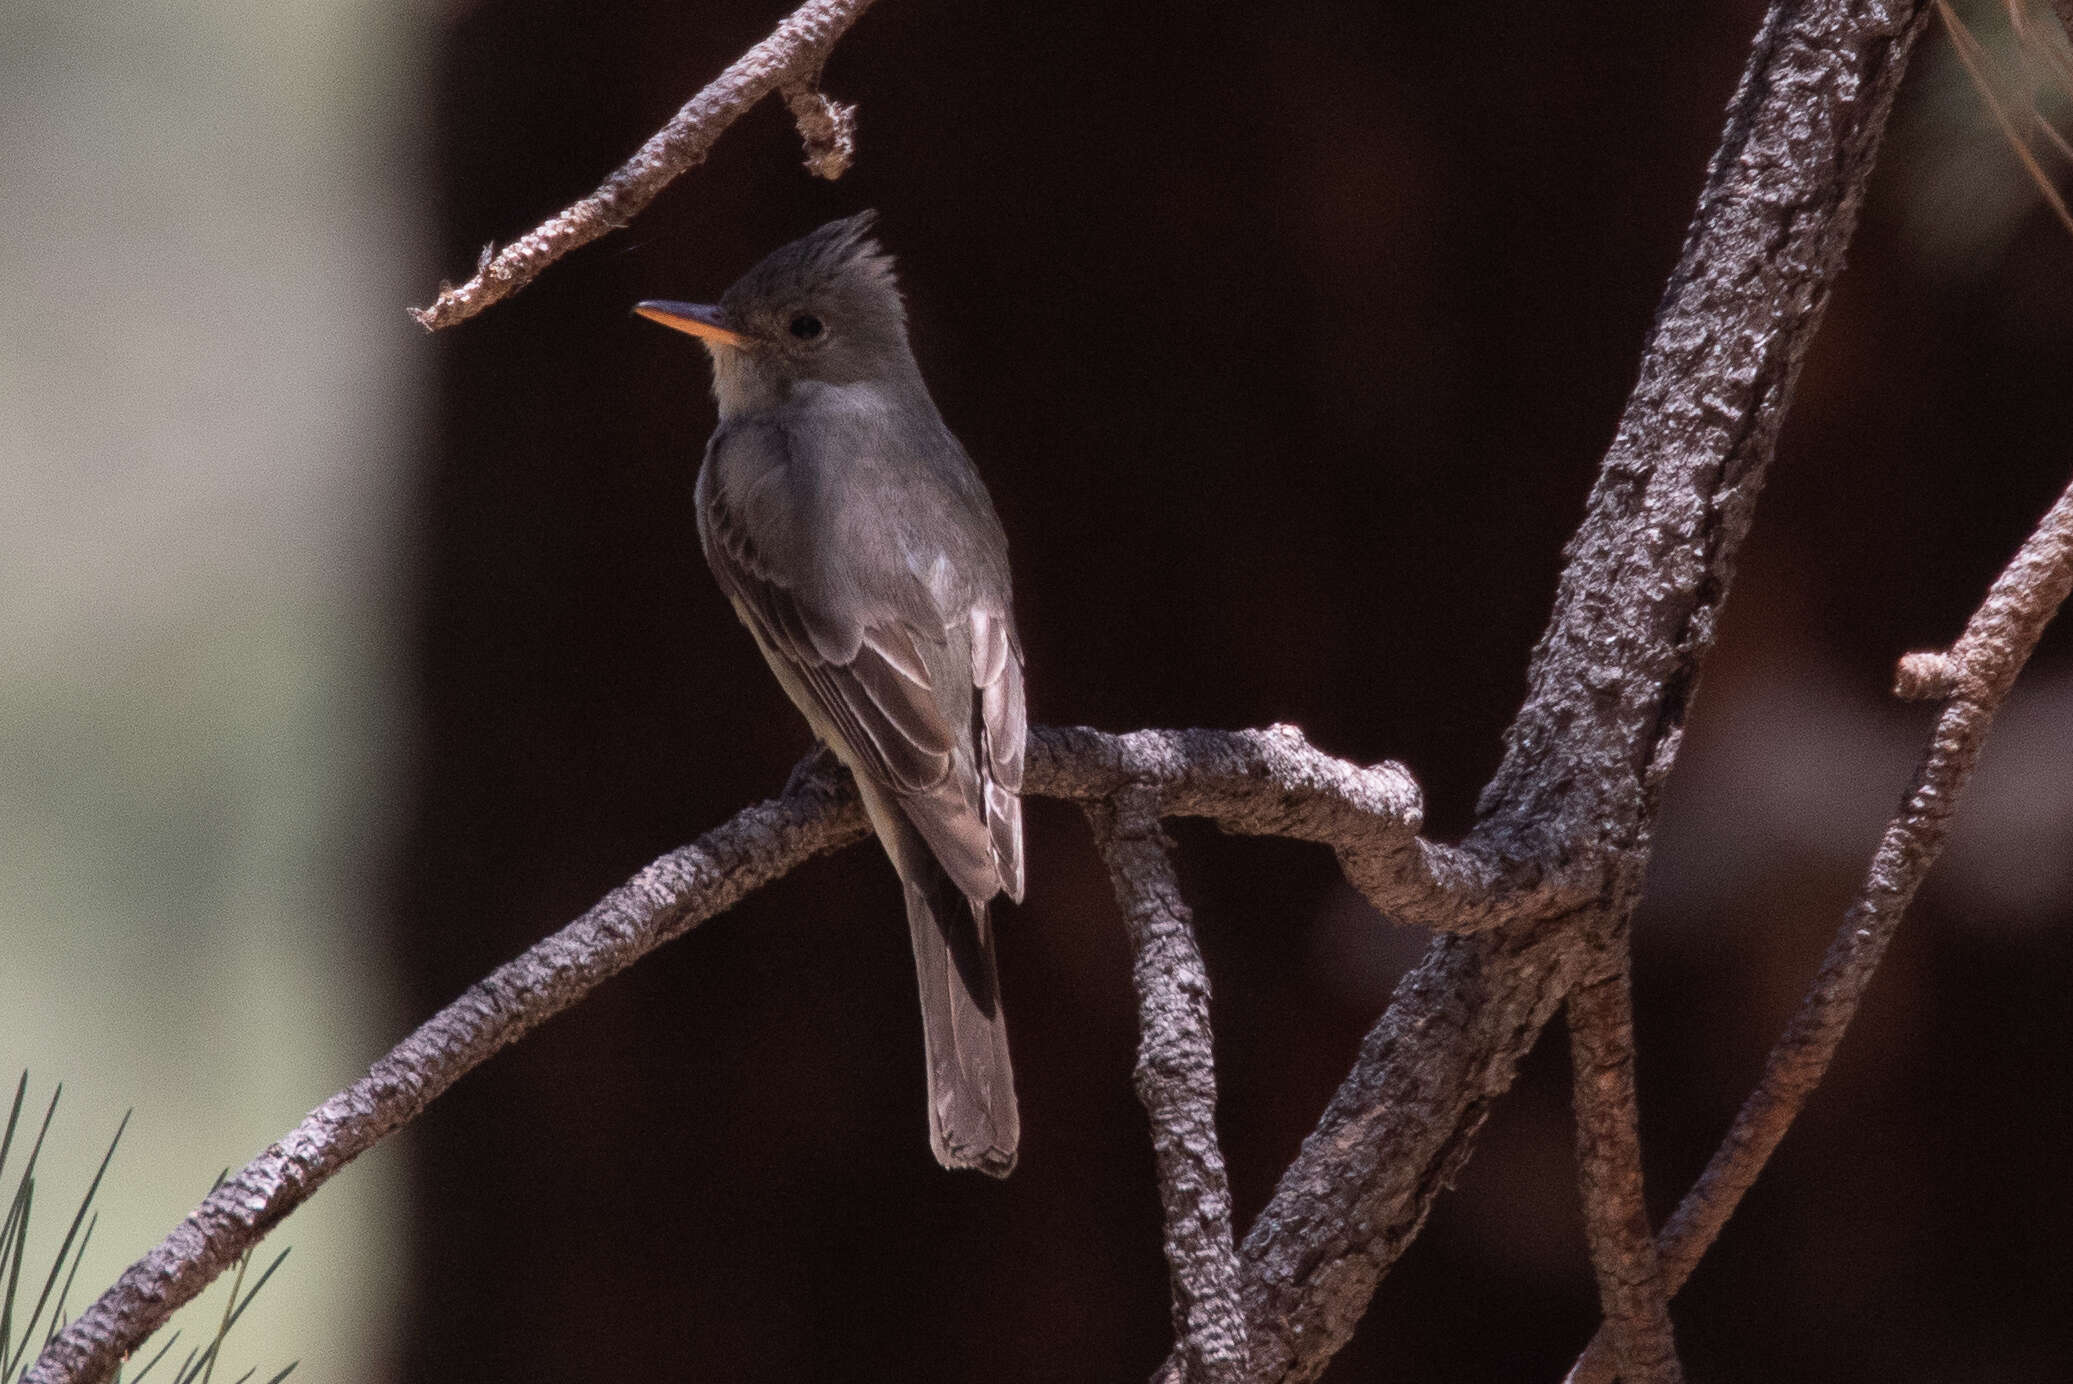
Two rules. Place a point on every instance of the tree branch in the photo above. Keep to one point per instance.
(1649, 569)
(789, 60)
(663, 901)
(1396, 1133)
(1176, 1080)
(1244, 777)
(1608, 1162)
(1275, 783)
(1975, 676)
(1634, 615)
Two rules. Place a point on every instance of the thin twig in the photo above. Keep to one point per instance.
(2042, 49)
(1608, 1160)
(1248, 779)
(1176, 1080)
(1974, 677)
(790, 59)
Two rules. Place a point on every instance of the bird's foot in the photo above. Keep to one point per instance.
(819, 760)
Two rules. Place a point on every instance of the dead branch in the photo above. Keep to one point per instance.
(668, 898)
(1974, 678)
(789, 60)
(1176, 1080)
(1241, 777)
(1274, 783)
(1608, 1162)
(1609, 684)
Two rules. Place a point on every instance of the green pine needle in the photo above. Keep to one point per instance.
(65, 1249)
(16, 1339)
(171, 1341)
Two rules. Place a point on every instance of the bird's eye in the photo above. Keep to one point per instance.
(806, 326)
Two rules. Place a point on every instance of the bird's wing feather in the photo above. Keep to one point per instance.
(1003, 736)
(885, 716)
(912, 673)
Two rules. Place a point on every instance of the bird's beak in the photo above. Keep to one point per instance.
(699, 319)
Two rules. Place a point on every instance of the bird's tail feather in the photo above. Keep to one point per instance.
(973, 1121)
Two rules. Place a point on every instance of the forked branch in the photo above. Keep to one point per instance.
(1973, 677)
(1246, 777)
(1273, 782)
(1635, 612)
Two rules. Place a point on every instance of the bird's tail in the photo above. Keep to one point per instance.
(973, 1122)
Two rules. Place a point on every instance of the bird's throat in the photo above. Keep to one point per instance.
(742, 384)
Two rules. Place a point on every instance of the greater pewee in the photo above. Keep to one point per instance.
(857, 543)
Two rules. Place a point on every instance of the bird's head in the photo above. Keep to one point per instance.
(824, 308)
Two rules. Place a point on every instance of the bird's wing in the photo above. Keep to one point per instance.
(1003, 724)
(915, 682)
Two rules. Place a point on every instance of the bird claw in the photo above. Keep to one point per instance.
(819, 760)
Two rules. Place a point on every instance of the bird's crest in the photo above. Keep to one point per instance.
(840, 253)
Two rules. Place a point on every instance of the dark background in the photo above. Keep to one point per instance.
(1288, 338)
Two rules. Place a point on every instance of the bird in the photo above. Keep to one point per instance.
(855, 539)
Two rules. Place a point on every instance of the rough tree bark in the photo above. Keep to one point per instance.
(1532, 910)
(1574, 801)
(1972, 680)
(1176, 1080)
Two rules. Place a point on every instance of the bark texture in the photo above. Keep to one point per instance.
(665, 900)
(1973, 679)
(1249, 780)
(1176, 1080)
(1573, 803)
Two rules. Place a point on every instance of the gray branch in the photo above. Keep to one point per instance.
(1575, 797)
(1608, 1162)
(1974, 677)
(790, 60)
(1274, 783)
(663, 901)
(1176, 1080)
(1247, 779)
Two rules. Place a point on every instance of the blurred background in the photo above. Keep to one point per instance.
(344, 662)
